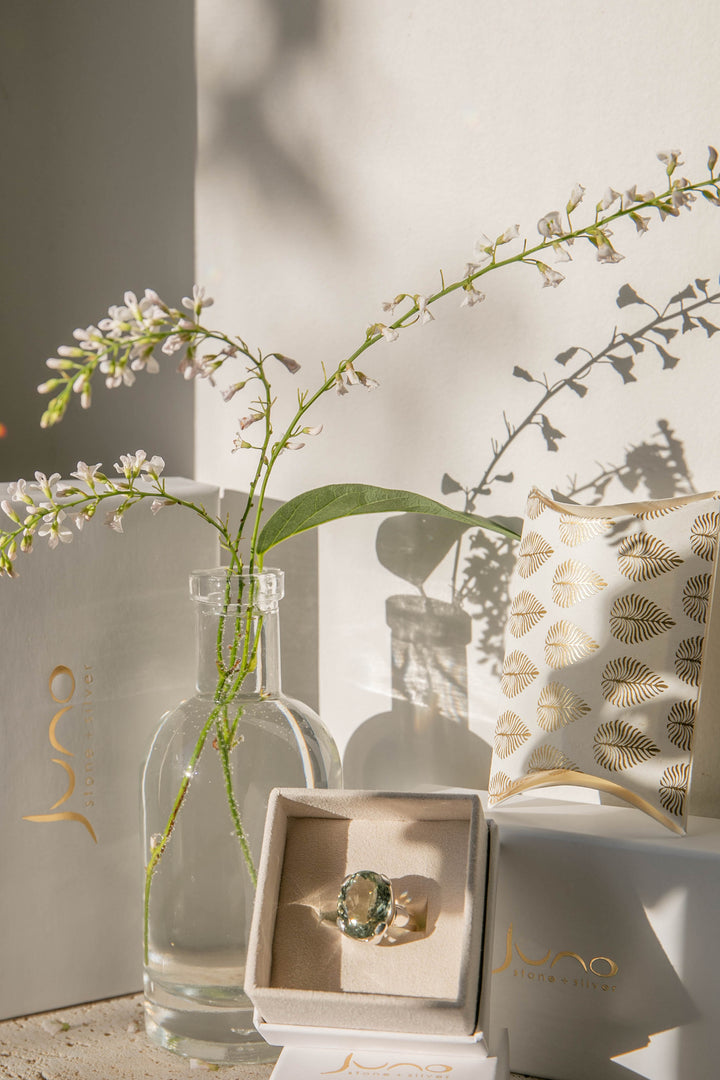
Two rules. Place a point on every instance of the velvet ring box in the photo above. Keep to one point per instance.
(318, 992)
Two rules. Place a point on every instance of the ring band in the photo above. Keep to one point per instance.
(367, 908)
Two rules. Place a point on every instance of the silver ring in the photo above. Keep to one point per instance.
(367, 908)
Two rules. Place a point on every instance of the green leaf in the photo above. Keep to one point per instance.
(319, 505)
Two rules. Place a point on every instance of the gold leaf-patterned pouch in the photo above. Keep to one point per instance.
(604, 649)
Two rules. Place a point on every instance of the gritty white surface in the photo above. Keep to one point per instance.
(102, 1041)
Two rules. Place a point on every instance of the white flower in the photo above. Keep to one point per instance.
(198, 301)
(426, 315)
(172, 344)
(562, 252)
(551, 278)
(288, 362)
(17, 492)
(229, 394)
(389, 333)
(510, 233)
(670, 159)
(482, 251)
(608, 199)
(472, 296)
(86, 472)
(154, 466)
(157, 505)
(606, 253)
(629, 197)
(576, 196)
(312, 430)
(131, 464)
(641, 223)
(550, 225)
(368, 382)
(54, 530)
(113, 519)
(44, 484)
(7, 508)
(246, 421)
(340, 386)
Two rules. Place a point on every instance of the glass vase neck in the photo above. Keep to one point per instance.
(238, 632)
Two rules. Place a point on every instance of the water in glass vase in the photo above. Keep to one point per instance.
(206, 784)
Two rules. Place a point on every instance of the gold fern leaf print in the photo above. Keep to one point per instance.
(573, 582)
(526, 611)
(626, 681)
(696, 597)
(517, 674)
(534, 550)
(674, 787)
(704, 533)
(618, 745)
(635, 618)
(688, 660)
(510, 734)
(578, 530)
(642, 557)
(499, 785)
(659, 511)
(681, 724)
(548, 758)
(535, 505)
(558, 706)
(566, 644)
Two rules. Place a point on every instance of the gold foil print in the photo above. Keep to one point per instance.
(618, 745)
(627, 681)
(558, 706)
(642, 557)
(574, 581)
(688, 660)
(526, 611)
(535, 505)
(575, 530)
(696, 597)
(517, 674)
(71, 782)
(64, 815)
(534, 550)
(566, 644)
(510, 734)
(681, 724)
(549, 758)
(674, 787)
(635, 618)
(703, 534)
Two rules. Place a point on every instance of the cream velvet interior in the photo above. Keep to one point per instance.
(302, 970)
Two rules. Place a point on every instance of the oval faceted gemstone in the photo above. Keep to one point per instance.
(365, 905)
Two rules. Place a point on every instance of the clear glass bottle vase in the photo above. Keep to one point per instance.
(211, 767)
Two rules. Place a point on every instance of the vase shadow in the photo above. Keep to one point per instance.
(424, 739)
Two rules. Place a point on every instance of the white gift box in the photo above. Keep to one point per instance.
(336, 1004)
(97, 642)
(606, 951)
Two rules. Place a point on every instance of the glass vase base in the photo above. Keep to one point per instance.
(221, 1036)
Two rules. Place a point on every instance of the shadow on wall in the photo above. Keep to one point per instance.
(271, 37)
(426, 739)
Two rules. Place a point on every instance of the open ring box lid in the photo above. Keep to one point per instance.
(324, 996)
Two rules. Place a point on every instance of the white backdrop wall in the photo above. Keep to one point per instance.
(350, 151)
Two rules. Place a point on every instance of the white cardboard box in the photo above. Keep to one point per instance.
(360, 1009)
(96, 642)
(606, 954)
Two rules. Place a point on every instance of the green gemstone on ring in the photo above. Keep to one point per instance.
(365, 906)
